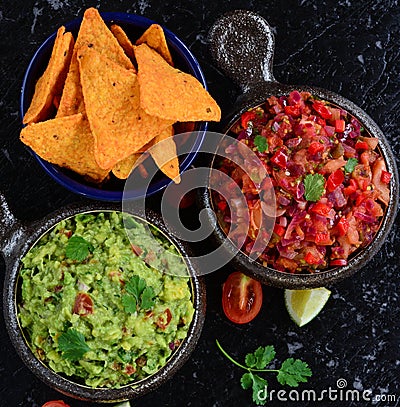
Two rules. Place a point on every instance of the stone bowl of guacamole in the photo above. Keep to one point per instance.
(101, 305)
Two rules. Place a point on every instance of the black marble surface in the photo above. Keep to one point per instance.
(348, 46)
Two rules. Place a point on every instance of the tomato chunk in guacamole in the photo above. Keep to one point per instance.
(93, 307)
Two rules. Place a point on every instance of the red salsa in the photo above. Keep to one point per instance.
(330, 182)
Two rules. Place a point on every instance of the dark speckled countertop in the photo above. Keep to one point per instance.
(350, 47)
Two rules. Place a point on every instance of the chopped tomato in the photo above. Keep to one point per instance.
(241, 298)
(323, 238)
(385, 177)
(55, 403)
(292, 110)
(247, 117)
(343, 226)
(361, 145)
(315, 147)
(280, 158)
(83, 305)
(322, 109)
(351, 188)
(338, 262)
(321, 208)
(340, 125)
(164, 319)
(311, 259)
(279, 230)
(334, 180)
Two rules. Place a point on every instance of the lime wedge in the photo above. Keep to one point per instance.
(123, 404)
(304, 305)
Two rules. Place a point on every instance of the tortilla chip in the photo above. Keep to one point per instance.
(123, 41)
(67, 142)
(123, 168)
(154, 37)
(93, 33)
(111, 93)
(164, 154)
(169, 93)
(53, 78)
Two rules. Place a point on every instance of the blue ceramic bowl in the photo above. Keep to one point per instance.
(113, 189)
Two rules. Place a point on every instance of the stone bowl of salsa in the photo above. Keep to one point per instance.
(313, 188)
(101, 305)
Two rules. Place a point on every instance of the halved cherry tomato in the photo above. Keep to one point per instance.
(322, 110)
(55, 403)
(247, 117)
(83, 305)
(334, 180)
(241, 298)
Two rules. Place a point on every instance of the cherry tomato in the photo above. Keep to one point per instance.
(55, 403)
(241, 298)
(83, 305)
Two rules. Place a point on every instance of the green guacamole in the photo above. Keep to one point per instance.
(94, 306)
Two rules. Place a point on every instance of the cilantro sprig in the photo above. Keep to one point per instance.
(72, 345)
(138, 295)
(314, 185)
(350, 165)
(261, 143)
(78, 248)
(291, 373)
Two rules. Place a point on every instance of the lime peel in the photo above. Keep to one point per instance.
(305, 305)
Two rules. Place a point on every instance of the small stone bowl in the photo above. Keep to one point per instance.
(113, 189)
(17, 238)
(248, 60)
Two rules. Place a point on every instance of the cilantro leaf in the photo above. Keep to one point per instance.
(78, 248)
(314, 185)
(246, 381)
(135, 286)
(147, 298)
(72, 344)
(139, 295)
(258, 385)
(129, 302)
(350, 165)
(261, 143)
(261, 357)
(293, 372)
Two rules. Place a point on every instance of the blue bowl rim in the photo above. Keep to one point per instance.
(91, 191)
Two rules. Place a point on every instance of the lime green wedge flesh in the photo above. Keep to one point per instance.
(123, 404)
(305, 305)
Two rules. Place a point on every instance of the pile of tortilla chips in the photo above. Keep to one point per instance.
(103, 101)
